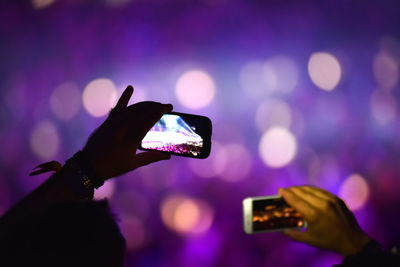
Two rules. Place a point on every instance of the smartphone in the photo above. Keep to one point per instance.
(180, 134)
(268, 214)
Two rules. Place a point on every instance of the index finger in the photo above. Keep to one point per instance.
(144, 115)
(124, 99)
(319, 192)
(310, 196)
(299, 204)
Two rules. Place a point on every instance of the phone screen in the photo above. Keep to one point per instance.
(274, 214)
(180, 134)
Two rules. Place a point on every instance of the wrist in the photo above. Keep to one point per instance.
(86, 166)
(356, 245)
(79, 178)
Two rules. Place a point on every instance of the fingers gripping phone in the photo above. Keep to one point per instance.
(180, 134)
(270, 213)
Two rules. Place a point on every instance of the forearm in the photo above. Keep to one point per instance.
(58, 188)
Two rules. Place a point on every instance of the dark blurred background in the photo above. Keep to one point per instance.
(299, 92)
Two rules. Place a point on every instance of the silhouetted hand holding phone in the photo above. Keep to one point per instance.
(111, 149)
(331, 225)
(54, 234)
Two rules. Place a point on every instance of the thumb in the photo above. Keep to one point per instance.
(145, 158)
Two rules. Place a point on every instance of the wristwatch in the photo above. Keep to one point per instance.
(80, 177)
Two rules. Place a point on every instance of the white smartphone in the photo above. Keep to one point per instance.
(268, 214)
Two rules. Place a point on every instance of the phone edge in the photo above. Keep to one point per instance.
(247, 215)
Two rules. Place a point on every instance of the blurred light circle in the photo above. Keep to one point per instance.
(277, 147)
(213, 165)
(65, 101)
(383, 107)
(273, 112)
(205, 219)
(168, 207)
(99, 97)
(324, 70)
(105, 191)
(186, 215)
(44, 140)
(280, 74)
(386, 71)
(354, 191)
(251, 78)
(238, 163)
(195, 89)
(133, 231)
(39, 4)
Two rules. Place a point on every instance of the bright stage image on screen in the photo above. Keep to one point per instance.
(274, 214)
(171, 133)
